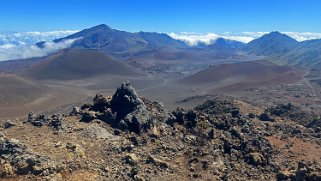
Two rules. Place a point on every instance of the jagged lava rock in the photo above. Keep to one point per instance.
(130, 109)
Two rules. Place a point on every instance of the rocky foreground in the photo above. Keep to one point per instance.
(127, 137)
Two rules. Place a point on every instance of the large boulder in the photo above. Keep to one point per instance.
(126, 101)
(131, 111)
(124, 110)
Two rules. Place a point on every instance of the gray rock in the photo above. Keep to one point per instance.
(130, 108)
(39, 120)
(56, 121)
(158, 162)
(11, 147)
(75, 111)
(265, 117)
(131, 159)
(22, 159)
(88, 116)
(95, 131)
(101, 103)
(9, 124)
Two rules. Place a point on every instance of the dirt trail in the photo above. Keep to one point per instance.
(310, 86)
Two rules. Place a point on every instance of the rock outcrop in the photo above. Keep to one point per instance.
(55, 121)
(125, 110)
(130, 109)
(128, 137)
(16, 158)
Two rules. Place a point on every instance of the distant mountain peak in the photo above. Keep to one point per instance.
(276, 33)
(223, 40)
(120, 43)
(277, 36)
(271, 44)
(101, 26)
(222, 43)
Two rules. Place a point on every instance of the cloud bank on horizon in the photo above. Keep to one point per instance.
(10, 51)
(22, 45)
(32, 37)
(245, 37)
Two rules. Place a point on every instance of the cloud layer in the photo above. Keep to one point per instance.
(11, 51)
(207, 38)
(25, 38)
(22, 45)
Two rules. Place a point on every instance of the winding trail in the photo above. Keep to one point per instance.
(310, 86)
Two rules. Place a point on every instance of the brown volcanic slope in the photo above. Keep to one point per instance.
(14, 89)
(78, 64)
(16, 92)
(244, 74)
(18, 96)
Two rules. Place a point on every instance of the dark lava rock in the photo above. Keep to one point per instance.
(179, 115)
(307, 172)
(184, 117)
(39, 120)
(55, 121)
(235, 112)
(88, 116)
(158, 162)
(310, 172)
(130, 108)
(125, 110)
(9, 124)
(295, 113)
(126, 101)
(191, 118)
(75, 111)
(101, 103)
(71, 146)
(265, 117)
(256, 159)
(11, 147)
(22, 159)
(211, 134)
(251, 115)
(281, 109)
(219, 105)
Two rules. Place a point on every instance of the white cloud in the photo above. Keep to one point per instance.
(22, 45)
(245, 37)
(24, 38)
(304, 36)
(194, 38)
(10, 51)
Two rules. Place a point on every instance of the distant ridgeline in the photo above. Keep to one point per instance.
(284, 50)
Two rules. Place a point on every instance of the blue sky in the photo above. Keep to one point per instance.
(162, 15)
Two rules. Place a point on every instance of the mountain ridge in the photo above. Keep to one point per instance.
(273, 43)
(118, 42)
(275, 46)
